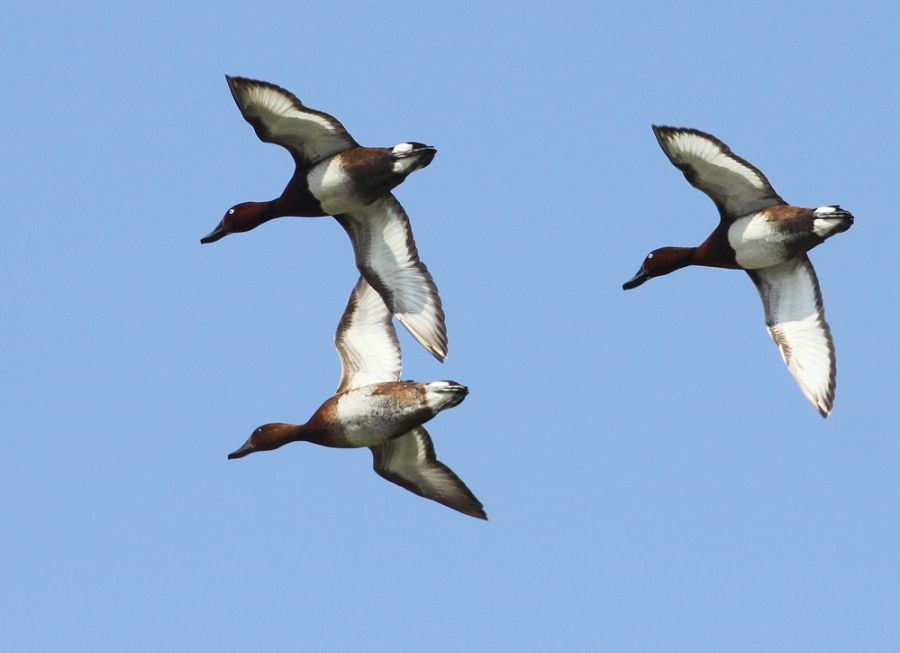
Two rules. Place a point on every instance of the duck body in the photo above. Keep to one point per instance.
(342, 183)
(372, 414)
(779, 233)
(354, 179)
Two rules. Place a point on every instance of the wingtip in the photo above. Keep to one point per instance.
(472, 508)
(660, 132)
(232, 82)
(435, 343)
(823, 404)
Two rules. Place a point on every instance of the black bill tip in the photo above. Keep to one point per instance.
(636, 280)
(214, 235)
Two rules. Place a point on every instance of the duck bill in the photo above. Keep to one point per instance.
(246, 449)
(219, 232)
(636, 280)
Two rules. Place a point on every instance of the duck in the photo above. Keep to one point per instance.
(768, 238)
(373, 408)
(335, 176)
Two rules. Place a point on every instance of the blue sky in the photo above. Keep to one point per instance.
(655, 479)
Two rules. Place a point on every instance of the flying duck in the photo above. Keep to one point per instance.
(335, 176)
(762, 234)
(373, 408)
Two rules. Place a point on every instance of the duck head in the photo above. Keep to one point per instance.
(240, 217)
(266, 438)
(659, 262)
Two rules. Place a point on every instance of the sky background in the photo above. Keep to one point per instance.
(654, 478)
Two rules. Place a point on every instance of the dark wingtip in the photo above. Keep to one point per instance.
(472, 508)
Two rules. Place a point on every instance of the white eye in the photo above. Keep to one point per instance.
(230, 211)
(403, 148)
(649, 255)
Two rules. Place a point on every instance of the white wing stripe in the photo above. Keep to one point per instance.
(736, 186)
(409, 461)
(366, 340)
(279, 117)
(796, 322)
(386, 255)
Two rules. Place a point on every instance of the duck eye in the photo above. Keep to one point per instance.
(230, 211)
(649, 256)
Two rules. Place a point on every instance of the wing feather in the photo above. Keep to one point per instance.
(736, 186)
(796, 321)
(409, 461)
(366, 340)
(386, 256)
(279, 117)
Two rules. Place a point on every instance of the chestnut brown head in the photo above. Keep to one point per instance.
(659, 262)
(240, 217)
(266, 438)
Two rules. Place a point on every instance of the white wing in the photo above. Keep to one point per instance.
(796, 321)
(386, 256)
(279, 117)
(736, 186)
(409, 461)
(366, 340)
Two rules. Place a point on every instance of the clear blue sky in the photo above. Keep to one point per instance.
(655, 479)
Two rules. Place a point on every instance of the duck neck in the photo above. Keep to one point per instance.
(278, 435)
(715, 252)
(280, 207)
(299, 433)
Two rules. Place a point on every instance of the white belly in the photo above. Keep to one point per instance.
(370, 419)
(330, 184)
(756, 243)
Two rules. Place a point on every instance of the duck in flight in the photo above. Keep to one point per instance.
(762, 234)
(373, 408)
(335, 176)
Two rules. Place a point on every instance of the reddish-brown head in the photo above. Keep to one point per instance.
(266, 438)
(659, 262)
(240, 217)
